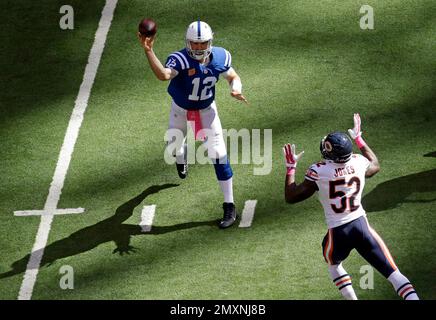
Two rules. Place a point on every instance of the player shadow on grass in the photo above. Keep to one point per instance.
(110, 229)
(390, 194)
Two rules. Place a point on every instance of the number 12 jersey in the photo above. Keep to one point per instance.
(194, 86)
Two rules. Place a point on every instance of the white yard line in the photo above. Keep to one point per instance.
(26, 213)
(66, 151)
(147, 217)
(248, 214)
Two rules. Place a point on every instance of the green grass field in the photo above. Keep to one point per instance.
(306, 67)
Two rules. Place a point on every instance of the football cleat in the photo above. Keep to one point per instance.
(230, 215)
(182, 170)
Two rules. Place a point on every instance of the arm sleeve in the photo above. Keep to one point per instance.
(223, 60)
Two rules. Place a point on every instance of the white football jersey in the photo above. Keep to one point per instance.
(340, 188)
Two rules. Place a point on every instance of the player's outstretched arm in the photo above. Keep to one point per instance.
(374, 166)
(235, 85)
(367, 152)
(159, 70)
(295, 193)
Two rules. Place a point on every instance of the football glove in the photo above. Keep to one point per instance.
(291, 158)
(356, 132)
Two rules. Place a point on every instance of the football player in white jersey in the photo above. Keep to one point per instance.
(339, 179)
(193, 72)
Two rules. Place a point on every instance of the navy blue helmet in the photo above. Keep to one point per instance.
(336, 146)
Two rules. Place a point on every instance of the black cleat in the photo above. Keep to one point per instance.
(182, 170)
(230, 215)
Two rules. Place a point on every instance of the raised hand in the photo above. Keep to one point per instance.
(355, 132)
(291, 158)
(146, 42)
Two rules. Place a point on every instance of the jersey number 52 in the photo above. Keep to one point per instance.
(347, 202)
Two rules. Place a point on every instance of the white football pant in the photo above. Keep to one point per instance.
(214, 142)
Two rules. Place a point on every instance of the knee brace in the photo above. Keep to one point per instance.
(222, 169)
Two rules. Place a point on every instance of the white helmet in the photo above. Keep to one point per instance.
(199, 31)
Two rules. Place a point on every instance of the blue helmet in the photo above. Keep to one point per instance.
(336, 146)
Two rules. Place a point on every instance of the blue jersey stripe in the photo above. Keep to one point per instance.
(182, 64)
(183, 57)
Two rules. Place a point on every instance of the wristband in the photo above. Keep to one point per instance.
(290, 171)
(236, 85)
(360, 142)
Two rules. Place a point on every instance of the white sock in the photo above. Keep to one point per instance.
(342, 280)
(181, 154)
(227, 189)
(402, 286)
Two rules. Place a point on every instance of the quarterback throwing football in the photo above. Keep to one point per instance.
(193, 72)
(339, 180)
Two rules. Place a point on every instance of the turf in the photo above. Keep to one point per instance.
(306, 67)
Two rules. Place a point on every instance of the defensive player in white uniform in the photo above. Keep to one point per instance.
(193, 72)
(339, 179)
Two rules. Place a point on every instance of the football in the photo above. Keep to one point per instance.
(147, 27)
